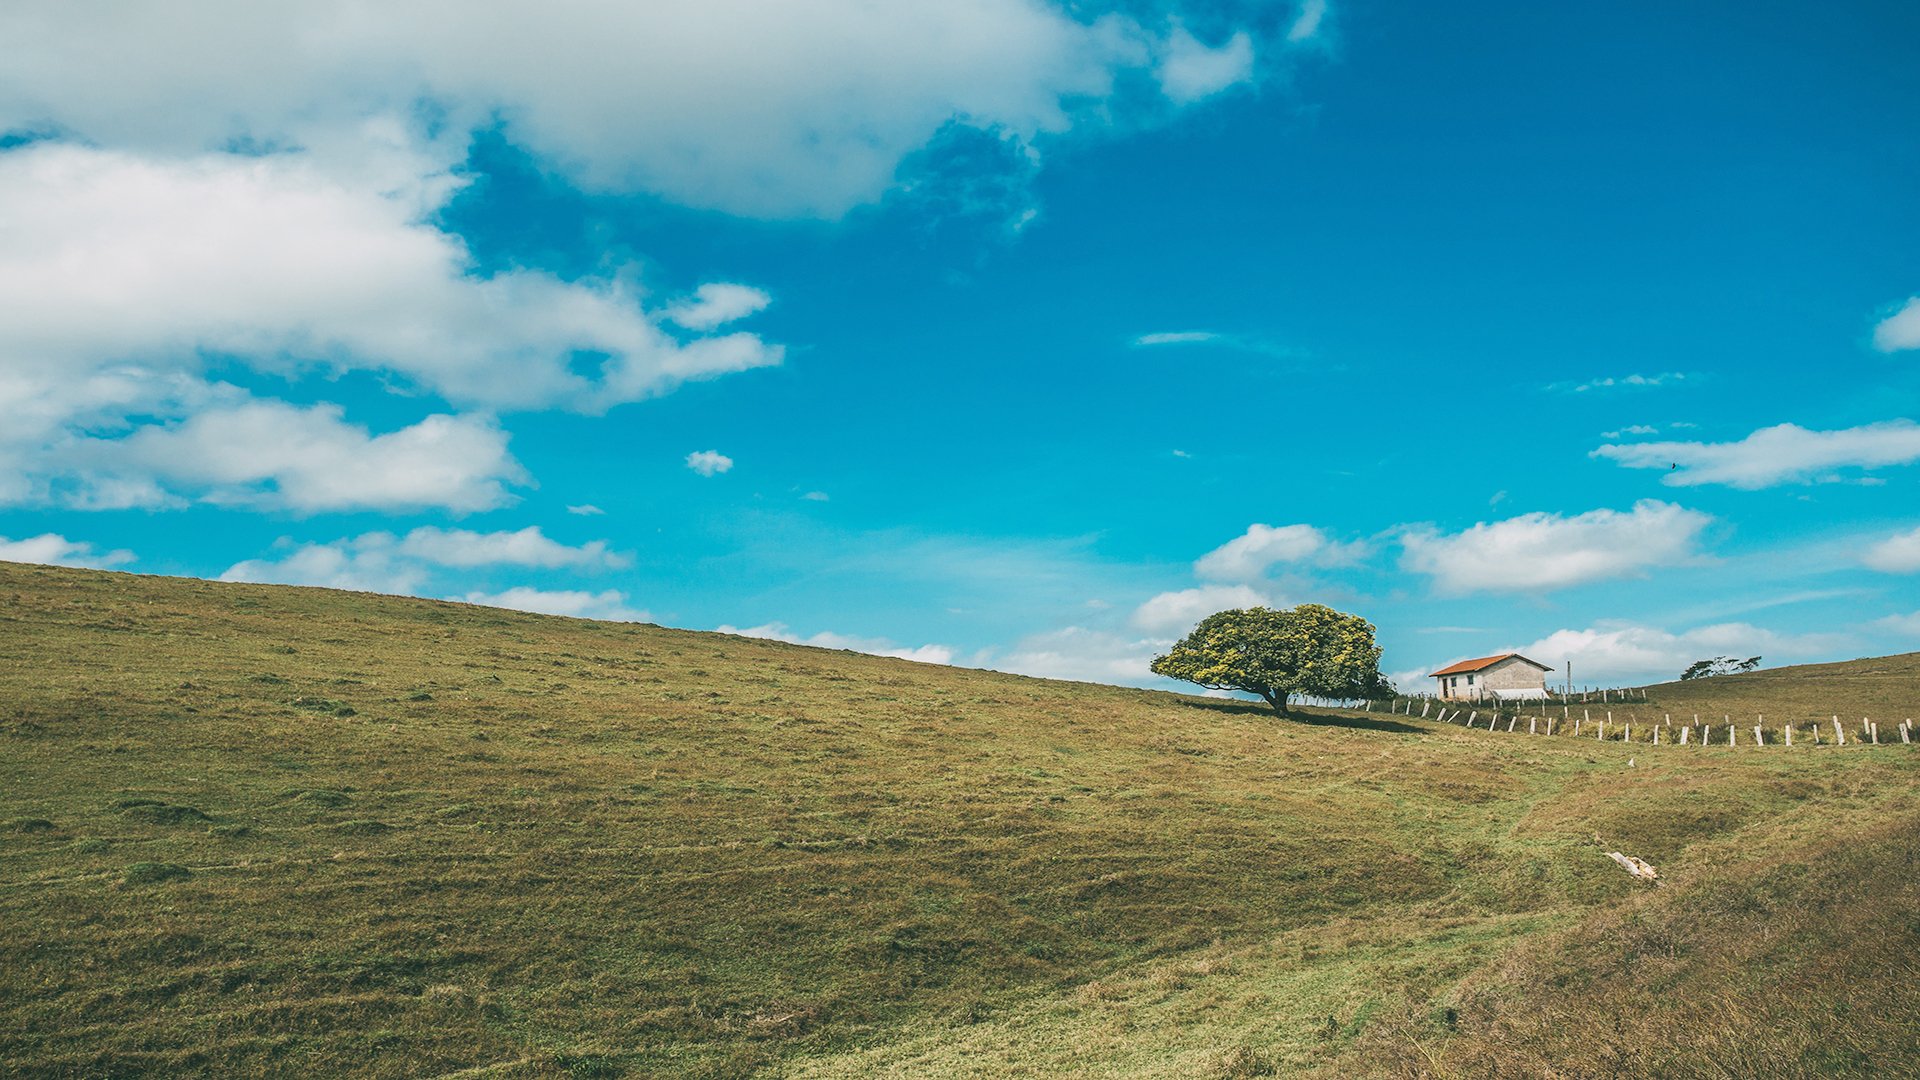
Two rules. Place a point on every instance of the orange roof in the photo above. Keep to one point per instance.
(1485, 662)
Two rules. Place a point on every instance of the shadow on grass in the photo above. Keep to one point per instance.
(1302, 716)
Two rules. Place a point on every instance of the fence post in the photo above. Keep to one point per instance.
(1873, 731)
(1839, 733)
(1731, 732)
(1903, 731)
(1684, 732)
(1423, 708)
(1602, 737)
(1656, 736)
(1788, 730)
(1759, 739)
(1532, 730)
(1512, 720)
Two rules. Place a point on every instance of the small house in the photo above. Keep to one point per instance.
(1507, 676)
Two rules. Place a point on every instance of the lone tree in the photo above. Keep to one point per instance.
(1719, 665)
(1309, 649)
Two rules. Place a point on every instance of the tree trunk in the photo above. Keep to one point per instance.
(1278, 702)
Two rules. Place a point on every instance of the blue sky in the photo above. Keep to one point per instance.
(997, 334)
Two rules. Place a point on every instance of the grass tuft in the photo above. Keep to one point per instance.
(153, 873)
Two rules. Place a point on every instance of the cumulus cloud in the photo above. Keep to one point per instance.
(1631, 429)
(1782, 454)
(709, 462)
(716, 305)
(1249, 556)
(609, 605)
(1191, 70)
(383, 562)
(1175, 613)
(773, 109)
(1897, 554)
(268, 454)
(52, 549)
(283, 262)
(526, 547)
(1900, 330)
(1629, 653)
(826, 639)
(1550, 551)
(366, 563)
(1083, 655)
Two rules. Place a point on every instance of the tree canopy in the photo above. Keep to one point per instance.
(1280, 654)
(1719, 665)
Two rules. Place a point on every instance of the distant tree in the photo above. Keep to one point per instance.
(1279, 655)
(1719, 665)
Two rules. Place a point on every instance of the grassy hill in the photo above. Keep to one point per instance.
(1886, 688)
(250, 830)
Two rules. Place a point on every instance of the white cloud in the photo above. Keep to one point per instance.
(1082, 654)
(383, 562)
(1900, 330)
(279, 260)
(771, 109)
(1176, 337)
(526, 547)
(709, 462)
(717, 304)
(1623, 382)
(1634, 429)
(269, 454)
(1307, 23)
(52, 549)
(1175, 613)
(1782, 454)
(607, 606)
(1549, 551)
(826, 639)
(586, 510)
(1191, 70)
(1249, 556)
(1904, 625)
(816, 496)
(368, 563)
(1616, 653)
(1897, 554)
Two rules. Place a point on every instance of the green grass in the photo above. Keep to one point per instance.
(248, 830)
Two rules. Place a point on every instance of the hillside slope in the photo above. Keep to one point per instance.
(1883, 687)
(260, 830)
